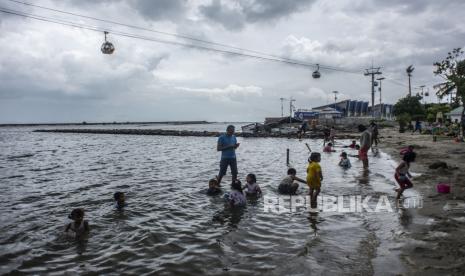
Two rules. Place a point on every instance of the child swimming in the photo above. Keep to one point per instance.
(344, 162)
(287, 185)
(236, 197)
(352, 146)
(251, 187)
(328, 148)
(119, 200)
(402, 174)
(314, 177)
(213, 187)
(79, 226)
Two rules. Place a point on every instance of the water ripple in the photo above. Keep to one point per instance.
(170, 226)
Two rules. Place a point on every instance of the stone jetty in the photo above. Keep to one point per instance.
(164, 132)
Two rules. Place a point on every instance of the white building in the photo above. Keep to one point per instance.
(455, 115)
(328, 113)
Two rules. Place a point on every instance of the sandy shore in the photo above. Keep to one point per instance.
(434, 234)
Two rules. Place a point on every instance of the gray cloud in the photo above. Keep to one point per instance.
(55, 73)
(400, 6)
(230, 17)
(235, 14)
(267, 10)
(154, 10)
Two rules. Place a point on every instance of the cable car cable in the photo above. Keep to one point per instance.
(98, 29)
(185, 37)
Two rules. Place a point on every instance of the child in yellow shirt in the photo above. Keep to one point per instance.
(314, 177)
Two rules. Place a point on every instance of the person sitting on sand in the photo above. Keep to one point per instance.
(236, 197)
(120, 200)
(213, 187)
(251, 186)
(328, 148)
(79, 226)
(344, 162)
(314, 177)
(402, 174)
(287, 185)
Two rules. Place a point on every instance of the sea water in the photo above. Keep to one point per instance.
(169, 225)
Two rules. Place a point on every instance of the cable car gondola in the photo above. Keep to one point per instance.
(316, 74)
(107, 47)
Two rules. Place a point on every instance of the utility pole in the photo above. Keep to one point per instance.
(282, 107)
(372, 72)
(335, 99)
(291, 100)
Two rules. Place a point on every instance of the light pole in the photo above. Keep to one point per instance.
(291, 100)
(282, 107)
(335, 99)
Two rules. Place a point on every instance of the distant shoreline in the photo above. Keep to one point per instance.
(108, 123)
(164, 132)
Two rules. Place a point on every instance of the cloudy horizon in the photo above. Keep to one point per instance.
(52, 73)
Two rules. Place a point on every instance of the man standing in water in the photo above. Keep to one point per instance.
(227, 144)
(365, 144)
(374, 134)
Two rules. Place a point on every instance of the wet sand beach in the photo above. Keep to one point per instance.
(435, 233)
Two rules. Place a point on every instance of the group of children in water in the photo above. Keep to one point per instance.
(288, 185)
(237, 196)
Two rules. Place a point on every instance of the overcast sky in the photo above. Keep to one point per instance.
(54, 73)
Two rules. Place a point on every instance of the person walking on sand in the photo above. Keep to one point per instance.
(365, 144)
(227, 144)
(402, 174)
(417, 127)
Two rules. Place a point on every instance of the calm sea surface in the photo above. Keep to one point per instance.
(170, 226)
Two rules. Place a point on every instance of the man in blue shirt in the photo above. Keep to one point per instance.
(228, 144)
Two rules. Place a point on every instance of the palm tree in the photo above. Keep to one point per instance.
(409, 71)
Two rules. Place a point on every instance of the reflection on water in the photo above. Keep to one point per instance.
(170, 226)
